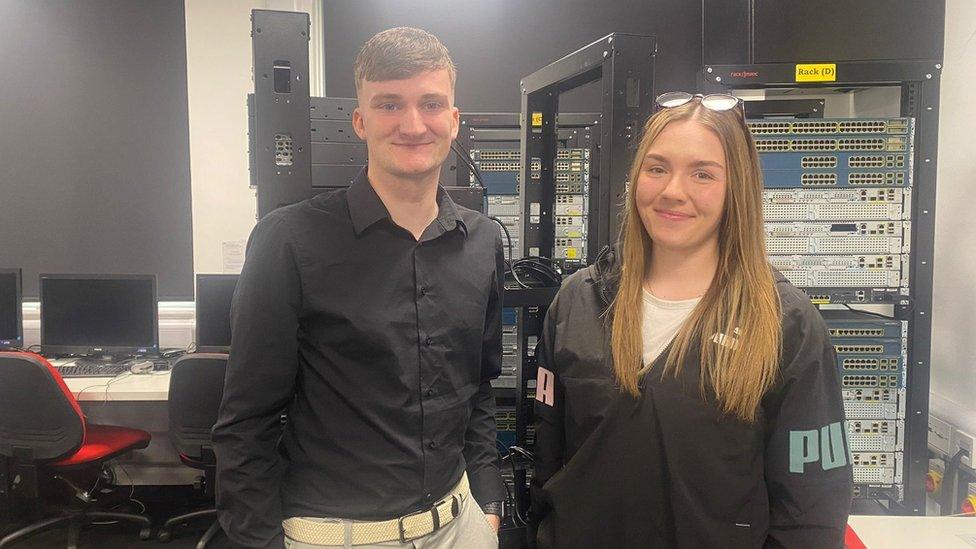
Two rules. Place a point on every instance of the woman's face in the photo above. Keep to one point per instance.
(681, 187)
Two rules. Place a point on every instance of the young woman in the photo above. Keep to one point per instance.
(687, 394)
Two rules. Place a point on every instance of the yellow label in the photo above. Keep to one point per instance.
(570, 253)
(537, 120)
(822, 72)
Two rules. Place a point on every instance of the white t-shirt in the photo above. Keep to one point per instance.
(662, 320)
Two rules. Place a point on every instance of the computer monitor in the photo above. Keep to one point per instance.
(11, 309)
(214, 294)
(99, 315)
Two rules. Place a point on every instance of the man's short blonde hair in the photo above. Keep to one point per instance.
(400, 53)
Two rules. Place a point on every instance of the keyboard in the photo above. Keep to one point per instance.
(89, 369)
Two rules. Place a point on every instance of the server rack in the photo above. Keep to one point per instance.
(918, 84)
(624, 63)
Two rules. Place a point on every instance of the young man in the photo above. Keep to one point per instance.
(372, 317)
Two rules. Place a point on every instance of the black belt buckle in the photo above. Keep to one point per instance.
(403, 533)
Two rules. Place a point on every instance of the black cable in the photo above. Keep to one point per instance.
(515, 509)
(543, 270)
(508, 236)
(540, 272)
(869, 313)
(554, 263)
(464, 155)
(950, 482)
(523, 452)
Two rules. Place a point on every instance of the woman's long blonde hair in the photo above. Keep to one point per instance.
(737, 321)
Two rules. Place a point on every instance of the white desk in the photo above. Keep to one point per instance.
(915, 532)
(127, 387)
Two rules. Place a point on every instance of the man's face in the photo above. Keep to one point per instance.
(408, 124)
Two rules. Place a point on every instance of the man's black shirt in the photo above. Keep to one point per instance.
(380, 349)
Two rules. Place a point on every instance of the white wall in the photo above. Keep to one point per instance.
(954, 311)
(218, 59)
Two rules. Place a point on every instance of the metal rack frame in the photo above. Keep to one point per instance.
(625, 64)
(919, 85)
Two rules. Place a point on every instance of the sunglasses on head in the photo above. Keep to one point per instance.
(718, 102)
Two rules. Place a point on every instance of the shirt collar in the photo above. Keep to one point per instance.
(366, 208)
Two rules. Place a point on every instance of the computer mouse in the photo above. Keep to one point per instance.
(141, 367)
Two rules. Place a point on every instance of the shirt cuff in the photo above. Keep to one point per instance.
(486, 485)
(493, 508)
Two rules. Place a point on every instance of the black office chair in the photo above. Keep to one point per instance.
(196, 386)
(44, 435)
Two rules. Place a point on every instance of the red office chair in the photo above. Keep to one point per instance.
(43, 433)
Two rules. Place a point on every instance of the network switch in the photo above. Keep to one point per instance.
(783, 245)
(836, 205)
(852, 325)
(875, 395)
(844, 278)
(569, 209)
(825, 126)
(889, 262)
(877, 467)
(823, 144)
(839, 229)
(571, 231)
(826, 296)
(872, 380)
(876, 435)
(775, 179)
(872, 410)
(500, 205)
(899, 162)
(869, 363)
(573, 253)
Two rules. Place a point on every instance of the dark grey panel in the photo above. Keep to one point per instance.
(797, 31)
(339, 131)
(344, 154)
(495, 43)
(331, 175)
(94, 168)
(332, 108)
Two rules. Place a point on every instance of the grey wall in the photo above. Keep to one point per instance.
(496, 42)
(94, 146)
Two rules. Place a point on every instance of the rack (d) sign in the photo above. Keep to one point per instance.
(819, 72)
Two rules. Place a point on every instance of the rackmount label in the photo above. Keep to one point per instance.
(822, 72)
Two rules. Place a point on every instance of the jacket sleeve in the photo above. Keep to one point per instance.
(259, 383)
(479, 452)
(808, 466)
(548, 423)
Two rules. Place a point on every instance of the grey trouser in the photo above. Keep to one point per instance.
(470, 530)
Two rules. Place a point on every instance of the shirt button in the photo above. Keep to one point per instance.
(428, 496)
(431, 392)
(432, 445)
(428, 341)
(423, 291)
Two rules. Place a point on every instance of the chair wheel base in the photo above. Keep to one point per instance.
(145, 534)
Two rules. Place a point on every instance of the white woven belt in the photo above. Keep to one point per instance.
(403, 529)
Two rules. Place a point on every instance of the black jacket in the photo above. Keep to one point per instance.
(668, 469)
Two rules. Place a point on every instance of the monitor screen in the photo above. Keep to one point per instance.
(92, 314)
(214, 294)
(11, 313)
